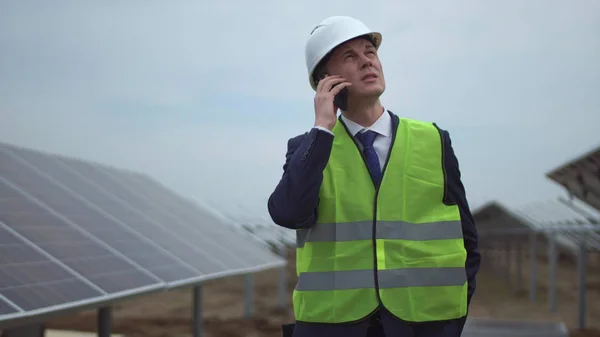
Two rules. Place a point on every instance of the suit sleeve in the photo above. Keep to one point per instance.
(457, 195)
(293, 203)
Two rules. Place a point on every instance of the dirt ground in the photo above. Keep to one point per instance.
(168, 314)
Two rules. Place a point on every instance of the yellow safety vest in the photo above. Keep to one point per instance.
(398, 246)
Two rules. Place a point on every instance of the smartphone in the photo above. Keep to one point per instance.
(341, 99)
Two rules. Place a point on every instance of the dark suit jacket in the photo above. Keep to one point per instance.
(293, 203)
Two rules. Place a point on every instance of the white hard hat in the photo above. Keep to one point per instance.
(329, 34)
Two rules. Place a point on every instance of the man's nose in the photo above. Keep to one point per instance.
(366, 62)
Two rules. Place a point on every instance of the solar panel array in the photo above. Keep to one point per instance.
(542, 216)
(554, 213)
(253, 224)
(76, 233)
(581, 177)
(273, 234)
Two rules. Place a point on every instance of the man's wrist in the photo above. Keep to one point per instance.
(322, 128)
(325, 123)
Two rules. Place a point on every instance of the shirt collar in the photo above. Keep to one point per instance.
(383, 125)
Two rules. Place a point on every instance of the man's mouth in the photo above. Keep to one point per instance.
(369, 76)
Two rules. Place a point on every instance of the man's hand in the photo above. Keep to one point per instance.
(325, 110)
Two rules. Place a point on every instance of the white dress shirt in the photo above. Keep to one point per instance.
(383, 128)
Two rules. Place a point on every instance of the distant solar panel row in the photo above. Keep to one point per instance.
(581, 177)
(75, 231)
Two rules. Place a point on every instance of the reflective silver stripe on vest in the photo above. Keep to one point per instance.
(392, 278)
(394, 230)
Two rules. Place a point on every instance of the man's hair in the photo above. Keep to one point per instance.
(321, 67)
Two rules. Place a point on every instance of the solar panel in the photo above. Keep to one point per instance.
(121, 228)
(581, 177)
(238, 244)
(73, 234)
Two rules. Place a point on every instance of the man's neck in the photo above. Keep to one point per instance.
(364, 115)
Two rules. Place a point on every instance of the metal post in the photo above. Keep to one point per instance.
(519, 271)
(281, 290)
(582, 262)
(197, 311)
(104, 321)
(552, 276)
(507, 258)
(495, 255)
(249, 298)
(532, 266)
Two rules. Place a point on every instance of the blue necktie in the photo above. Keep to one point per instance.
(366, 139)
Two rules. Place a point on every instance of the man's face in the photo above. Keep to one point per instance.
(357, 61)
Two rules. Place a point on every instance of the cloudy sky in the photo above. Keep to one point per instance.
(203, 95)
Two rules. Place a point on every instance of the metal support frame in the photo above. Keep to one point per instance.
(249, 296)
(198, 323)
(552, 275)
(532, 266)
(281, 289)
(507, 256)
(519, 268)
(104, 321)
(582, 266)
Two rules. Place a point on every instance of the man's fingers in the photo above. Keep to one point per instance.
(334, 83)
(339, 87)
(322, 82)
(328, 82)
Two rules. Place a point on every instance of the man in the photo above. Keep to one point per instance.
(385, 237)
